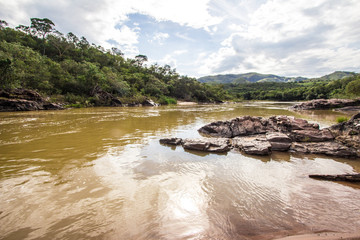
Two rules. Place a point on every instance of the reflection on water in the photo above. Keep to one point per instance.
(101, 174)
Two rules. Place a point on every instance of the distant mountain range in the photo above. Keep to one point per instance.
(257, 77)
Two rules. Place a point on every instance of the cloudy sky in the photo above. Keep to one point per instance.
(204, 37)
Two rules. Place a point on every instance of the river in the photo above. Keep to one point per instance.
(100, 173)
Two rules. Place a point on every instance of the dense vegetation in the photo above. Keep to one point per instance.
(348, 87)
(70, 69)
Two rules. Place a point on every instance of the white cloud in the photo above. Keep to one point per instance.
(292, 38)
(160, 37)
(274, 36)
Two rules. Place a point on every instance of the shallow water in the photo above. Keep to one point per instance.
(100, 173)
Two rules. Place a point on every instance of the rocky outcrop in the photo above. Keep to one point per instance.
(348, 133)
(149, 103)
(326, 104)
(261, 136)
(24, 100)
(104, 98)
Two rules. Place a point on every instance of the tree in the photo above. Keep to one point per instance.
(3, 24)
(59, 42)
(140, 59)
(353, 88)
(116, 51)
(41, 27)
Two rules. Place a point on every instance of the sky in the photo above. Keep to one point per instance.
(308, 38)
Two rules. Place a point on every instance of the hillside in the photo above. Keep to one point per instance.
(248, 78)
(66, 68)
(337, 75)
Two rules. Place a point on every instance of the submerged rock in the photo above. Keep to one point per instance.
(171, 141)
(342, 177)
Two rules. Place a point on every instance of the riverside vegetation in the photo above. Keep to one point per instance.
(70, 70)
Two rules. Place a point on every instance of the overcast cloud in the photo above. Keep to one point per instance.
(203, 37)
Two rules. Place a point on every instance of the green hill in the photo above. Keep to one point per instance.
(248, 78)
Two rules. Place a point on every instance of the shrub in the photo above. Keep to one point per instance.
(342, 119)
(167, 100)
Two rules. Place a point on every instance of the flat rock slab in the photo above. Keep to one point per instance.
(254, 145)
(207, 145)
(328, 148)
(342, 177)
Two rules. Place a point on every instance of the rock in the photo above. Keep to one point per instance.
(248, 125)
(288, 124)
(217, 129)
(9, 105)
(260, 136)
(328, 148)
(149, 103)
(254, 145)
(104, 98)
(312, 135)
(326, 104)
(171, 141)
(348, 132)
(278, 141)
(242, 126)
(24, 100)
(342, 177)
(207, 145)
(348, 109)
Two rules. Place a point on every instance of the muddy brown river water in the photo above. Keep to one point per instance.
(100, 173)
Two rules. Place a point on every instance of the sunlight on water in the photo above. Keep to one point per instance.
(102, 174)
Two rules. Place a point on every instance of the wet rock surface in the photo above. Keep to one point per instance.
(24, 100)
(261, 136)
(341, 177)
(326, 104)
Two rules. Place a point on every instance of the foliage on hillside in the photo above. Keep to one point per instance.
(348, 87)
(71, 69)
(247, 78)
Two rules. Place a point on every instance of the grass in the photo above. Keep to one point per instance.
(341, 119)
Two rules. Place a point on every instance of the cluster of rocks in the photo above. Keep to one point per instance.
(261, 136)
(24, 100)
(344, 104)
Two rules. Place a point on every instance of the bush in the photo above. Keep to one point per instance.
(342, 119)
(167, 100)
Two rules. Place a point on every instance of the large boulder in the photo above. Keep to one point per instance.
(248, 125)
